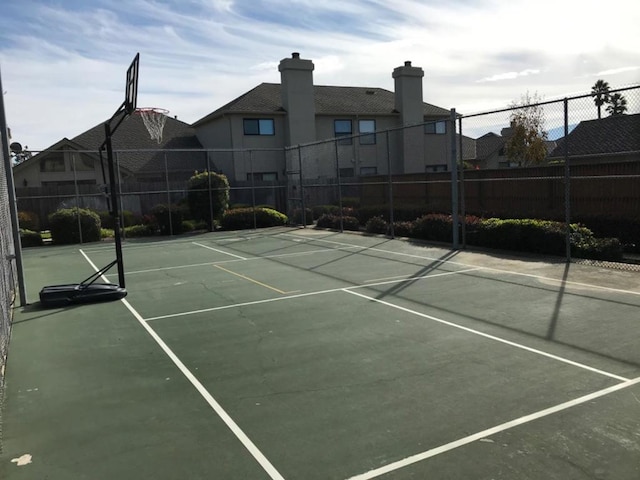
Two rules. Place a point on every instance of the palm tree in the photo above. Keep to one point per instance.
(600, 92)
(617, 105)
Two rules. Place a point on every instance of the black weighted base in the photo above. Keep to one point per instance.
(76, 293)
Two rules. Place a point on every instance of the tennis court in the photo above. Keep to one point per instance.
(309, 354)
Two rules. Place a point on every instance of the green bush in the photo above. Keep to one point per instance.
(401, 213)
(208, 194)
(106, 233)
(433, 226)
(403, 229)
(376, 225)
(243, 218)
(598, 249)
(188, 225)
(319, 210)
(63, 225)
(333, 222)
(29, 238)
(139, 231)
(169, 218)
(128, 218)
(296, 218)
(29, 221)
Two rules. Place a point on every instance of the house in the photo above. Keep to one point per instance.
(140, 159)
(272, 117)
(610, 139)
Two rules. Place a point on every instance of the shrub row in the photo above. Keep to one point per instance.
(525, 235)
(243, 218)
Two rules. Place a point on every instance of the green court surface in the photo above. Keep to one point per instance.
(307, 354)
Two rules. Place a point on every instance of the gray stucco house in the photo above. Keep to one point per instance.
(271, 117)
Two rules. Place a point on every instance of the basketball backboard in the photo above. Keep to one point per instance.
(131, 88)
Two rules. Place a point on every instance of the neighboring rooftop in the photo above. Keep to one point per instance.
(615, 134)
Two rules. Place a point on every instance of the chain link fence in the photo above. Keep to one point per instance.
(574, 163)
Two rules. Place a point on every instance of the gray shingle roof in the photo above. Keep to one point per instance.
(329, 100)
(615, 134)
(133, 135)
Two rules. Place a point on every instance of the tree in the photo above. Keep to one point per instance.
(526, 144)
(208, 196)
(617, 105)
(600, 94)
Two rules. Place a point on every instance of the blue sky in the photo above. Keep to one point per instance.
(63, 61)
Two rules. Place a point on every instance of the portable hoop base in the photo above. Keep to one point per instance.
(76, 293)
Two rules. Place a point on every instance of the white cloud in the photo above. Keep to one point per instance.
(509, 75)
(615, 71)
(63, 67)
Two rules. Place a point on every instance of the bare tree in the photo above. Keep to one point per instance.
(526, 145)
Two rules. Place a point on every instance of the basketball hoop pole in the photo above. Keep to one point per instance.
(123, 111)
(114, 195)
(88, 290)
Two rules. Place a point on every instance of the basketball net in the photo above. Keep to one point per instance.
(154, 119)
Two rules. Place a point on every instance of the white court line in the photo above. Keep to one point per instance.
(492, 431)
(531, 275)
(491, 337)
(224, 416)
(307, 294)
(265, 257)
(219, 251)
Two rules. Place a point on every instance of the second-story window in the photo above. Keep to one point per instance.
(436, 128)
(258, 126)
(367, 127)
(342, 128)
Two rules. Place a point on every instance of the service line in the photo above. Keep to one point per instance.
(392, 467)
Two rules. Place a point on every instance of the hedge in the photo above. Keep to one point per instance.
(63, 225)
(243, 218)
(29, 238)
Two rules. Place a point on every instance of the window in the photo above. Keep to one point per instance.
(84, 163)
(54, 162)
(368, 170)
(258, 126)
(343, 128)
(436, 128)
(367, 126)
(263, 176)
(346, 172)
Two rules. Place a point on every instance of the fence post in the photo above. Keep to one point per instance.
(166, 176)
(339, 187)
(391, 218)
(567, 183)
(302, 203)
(253, 190)
(463, 206)
(122, 222)
(13, 204)
(454, 182)
(75, 185)
(208, 170)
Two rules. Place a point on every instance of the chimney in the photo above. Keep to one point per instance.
(298, 99)
(408, 102)
(408, 93)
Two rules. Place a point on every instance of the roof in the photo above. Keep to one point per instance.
(133, 135)
(329, 100)
(614, 134)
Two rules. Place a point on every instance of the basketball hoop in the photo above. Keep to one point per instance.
(154, 119)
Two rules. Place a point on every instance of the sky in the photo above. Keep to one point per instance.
(63, 62)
